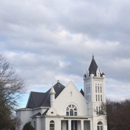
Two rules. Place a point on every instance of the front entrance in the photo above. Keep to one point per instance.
(73, 125)
(65, 125)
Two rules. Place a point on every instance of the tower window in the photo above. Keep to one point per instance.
(101, 97)
(100, 89)
(99, 126)
(99, 110)
(96, 89)
(96, 97)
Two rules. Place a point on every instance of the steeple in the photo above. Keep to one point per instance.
(92, 56)
(93, 67)
(94, 88)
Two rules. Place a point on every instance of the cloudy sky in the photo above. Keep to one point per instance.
(47, 40)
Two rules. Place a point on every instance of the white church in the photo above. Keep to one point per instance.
(67, 108)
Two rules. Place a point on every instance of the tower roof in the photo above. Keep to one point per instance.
(93, 67)
(52, 91)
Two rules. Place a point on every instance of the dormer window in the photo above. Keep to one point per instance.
(71, 110)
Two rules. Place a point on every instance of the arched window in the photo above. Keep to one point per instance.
(52, 125)
(99, 126)
(71, 110)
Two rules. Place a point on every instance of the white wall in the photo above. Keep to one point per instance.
(24, 115)
(70, 95)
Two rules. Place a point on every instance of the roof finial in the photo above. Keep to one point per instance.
(93, 56)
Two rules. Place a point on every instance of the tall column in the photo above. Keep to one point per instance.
(82, 124)
(59, 126)
(91, 126)
(69, 124)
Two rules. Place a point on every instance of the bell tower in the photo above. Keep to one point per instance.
(94, 88)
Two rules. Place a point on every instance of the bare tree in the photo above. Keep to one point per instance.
(117, 114)
(11, 87)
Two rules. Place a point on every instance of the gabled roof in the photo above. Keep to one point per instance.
(38, 99)
(58, 87)
(93, 67)
(35, 99)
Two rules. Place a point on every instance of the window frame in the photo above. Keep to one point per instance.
(52, 125)
(71, 110)
(99, 125)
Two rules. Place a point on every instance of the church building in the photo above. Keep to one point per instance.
(67, 108)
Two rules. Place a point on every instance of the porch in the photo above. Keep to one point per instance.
(75, 124)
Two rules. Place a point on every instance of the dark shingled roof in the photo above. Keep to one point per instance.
(93, 67)
(38, 99)
(82, 92)
(45, 112)
(38, 114)
(35, 99)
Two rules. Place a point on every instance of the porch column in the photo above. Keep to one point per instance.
(91, 126)
(69, 124)
(82, 124)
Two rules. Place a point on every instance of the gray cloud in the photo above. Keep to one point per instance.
(48, 41)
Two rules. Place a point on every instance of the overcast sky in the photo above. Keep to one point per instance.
(47, 40)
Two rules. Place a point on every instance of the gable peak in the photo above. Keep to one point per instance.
(70, 83)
